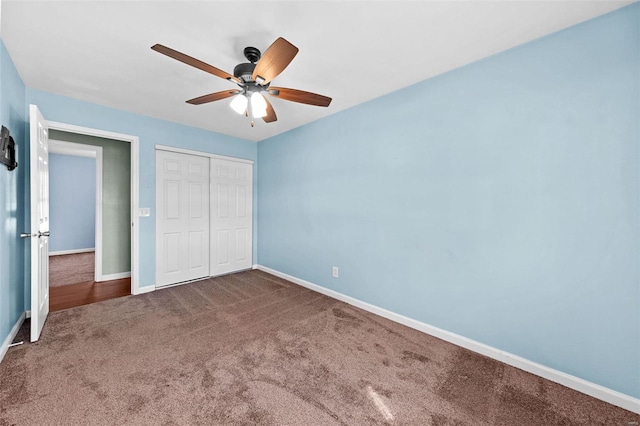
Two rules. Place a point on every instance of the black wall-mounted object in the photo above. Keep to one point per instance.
(7, 149)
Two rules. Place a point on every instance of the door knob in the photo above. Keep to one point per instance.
(39, 234)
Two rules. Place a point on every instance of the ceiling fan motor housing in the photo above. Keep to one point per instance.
(244, 71)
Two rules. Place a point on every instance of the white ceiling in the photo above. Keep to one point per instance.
(99, 51)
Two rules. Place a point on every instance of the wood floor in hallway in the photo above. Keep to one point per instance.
(69, 296)
(71, 282)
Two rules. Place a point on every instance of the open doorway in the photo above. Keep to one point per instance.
(90, 211)
(75, 212)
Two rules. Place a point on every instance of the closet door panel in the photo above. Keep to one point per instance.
(182, 217)
(232, 218)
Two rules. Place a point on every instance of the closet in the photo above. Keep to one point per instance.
(204, 215)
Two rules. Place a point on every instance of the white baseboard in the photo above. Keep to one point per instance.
(28, 314)
(117, 276)
(597, 391)
(12, 334)
(75, 251)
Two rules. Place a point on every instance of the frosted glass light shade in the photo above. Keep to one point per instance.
(239, 104)
(258, 105)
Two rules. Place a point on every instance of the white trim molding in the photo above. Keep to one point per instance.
(72, 148)
(117, 276)
(201, 154)
(600, 392)
(12, 335)
(74, 251)
(135, 188)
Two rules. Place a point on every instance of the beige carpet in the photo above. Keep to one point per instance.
(68, 269)
(251, 348)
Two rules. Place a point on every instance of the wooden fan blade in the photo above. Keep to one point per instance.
(212, 97)
(274, 61)
(300, 96)
(271, 114)
(193, 62)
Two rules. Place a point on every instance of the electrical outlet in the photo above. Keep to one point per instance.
(144, 212)
(335, 272)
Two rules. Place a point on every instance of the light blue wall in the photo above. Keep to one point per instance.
(150, 131)
(72, 202)
(499, 201)
(12, 248)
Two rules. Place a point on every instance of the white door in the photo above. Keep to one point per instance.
(39, 221)
(231, 216)
(182, 217)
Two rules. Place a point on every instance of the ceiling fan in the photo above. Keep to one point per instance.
(254, 79)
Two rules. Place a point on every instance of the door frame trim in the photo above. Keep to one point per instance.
(135, 185)
(201, 154)
(91, 151)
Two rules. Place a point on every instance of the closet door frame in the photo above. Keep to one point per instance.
(219, 157)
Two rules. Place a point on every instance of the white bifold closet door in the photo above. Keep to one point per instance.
(231, 216)
(183, 220)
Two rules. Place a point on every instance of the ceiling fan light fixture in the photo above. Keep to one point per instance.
(239, 103)
(253, 79)
(259, 114)
(258, 105)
